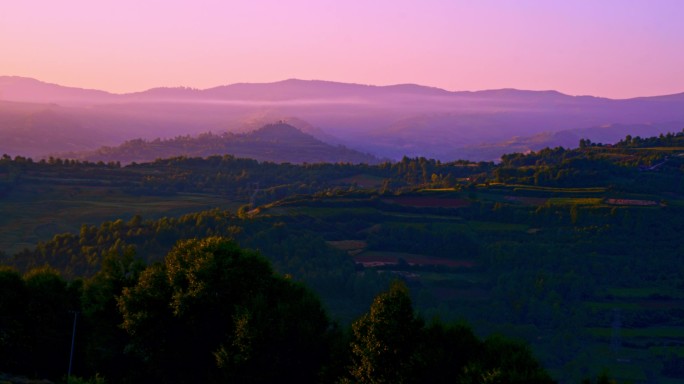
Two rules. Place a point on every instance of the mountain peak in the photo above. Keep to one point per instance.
(278, 142)
(280, 132)
(278, 128)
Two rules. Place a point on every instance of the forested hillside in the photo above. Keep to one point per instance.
(576, 251)
(278, 143)
(212, 312)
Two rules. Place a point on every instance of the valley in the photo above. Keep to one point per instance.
(574, 251)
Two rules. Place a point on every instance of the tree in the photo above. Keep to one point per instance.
(391, 345)
(505, 361)
(48, 322)
(105, 342)
(222, 311)
(445, 350)
(385, 339)
(13, 297)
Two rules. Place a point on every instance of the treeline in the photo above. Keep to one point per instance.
(669, 139)
(213, 312)
(233, 177)
(626, 165)
(632, 165)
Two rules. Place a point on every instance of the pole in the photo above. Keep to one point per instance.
(73, 339)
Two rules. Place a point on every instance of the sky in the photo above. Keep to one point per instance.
(609, 48)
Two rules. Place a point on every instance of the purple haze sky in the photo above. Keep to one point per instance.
(611, 48)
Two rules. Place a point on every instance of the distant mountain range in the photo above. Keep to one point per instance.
(37, 118)
(279, 143)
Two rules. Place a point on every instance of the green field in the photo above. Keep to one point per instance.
(517, 187)
(575, 201)
(33, 215)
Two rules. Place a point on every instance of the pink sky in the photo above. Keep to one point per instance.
(611, 48)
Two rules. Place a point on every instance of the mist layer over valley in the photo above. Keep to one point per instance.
(39, 119)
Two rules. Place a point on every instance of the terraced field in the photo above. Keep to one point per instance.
(30, 215)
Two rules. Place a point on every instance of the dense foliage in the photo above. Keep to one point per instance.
(212, 312)
(578, 252)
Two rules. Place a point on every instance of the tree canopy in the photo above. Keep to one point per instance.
(213, 311)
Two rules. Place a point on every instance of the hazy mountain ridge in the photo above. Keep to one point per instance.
(608, 134)
(280, 143)
(388, 121)
(24, 89)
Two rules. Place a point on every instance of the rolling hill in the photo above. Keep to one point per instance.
(387, 121)
(279, 143)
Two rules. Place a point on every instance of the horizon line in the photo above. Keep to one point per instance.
(333, 82)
